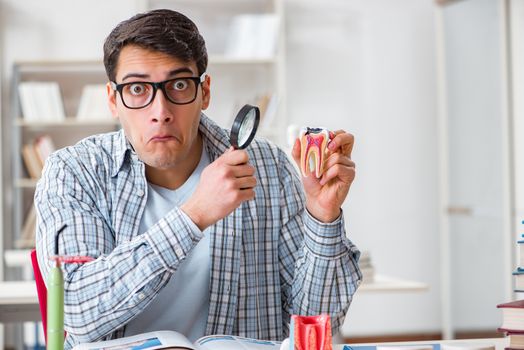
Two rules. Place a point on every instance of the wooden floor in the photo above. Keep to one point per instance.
(423, 336)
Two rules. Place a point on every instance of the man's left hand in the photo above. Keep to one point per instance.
(324, 196)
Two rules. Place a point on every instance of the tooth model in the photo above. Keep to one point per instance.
(313, 142)
(310, 333)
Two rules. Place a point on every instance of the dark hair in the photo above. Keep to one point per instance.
(165, 31)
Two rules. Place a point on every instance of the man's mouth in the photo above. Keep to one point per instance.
(162, 138)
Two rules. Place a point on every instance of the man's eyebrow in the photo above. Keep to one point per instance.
(170, 74)
(135, 75)
(180, 70)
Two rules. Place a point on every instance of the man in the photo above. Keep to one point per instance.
(186, 232)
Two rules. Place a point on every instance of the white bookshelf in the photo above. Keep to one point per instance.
(71, 77)
(67, 122)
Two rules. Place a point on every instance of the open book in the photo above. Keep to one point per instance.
(174, 340)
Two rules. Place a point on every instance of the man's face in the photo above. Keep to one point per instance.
(163, 133)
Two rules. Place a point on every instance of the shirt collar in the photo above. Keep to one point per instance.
(216, 141)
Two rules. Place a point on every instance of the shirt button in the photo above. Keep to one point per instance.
(140, 193)
(178, 251)
(141, 296)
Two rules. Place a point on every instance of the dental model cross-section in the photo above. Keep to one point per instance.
(310, 333)
(313, 144)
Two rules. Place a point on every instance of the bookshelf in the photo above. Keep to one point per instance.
(71, 77)
(240, 72)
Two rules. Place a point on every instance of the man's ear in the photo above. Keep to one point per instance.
(111, 100)
(206, 92)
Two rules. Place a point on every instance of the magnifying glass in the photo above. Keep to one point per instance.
(245, 126)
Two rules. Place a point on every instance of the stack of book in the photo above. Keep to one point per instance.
(513, 312)
(34, 155)
(519, 273)
(252, 36)
(41, 101)
(366, 267)
(93, 103)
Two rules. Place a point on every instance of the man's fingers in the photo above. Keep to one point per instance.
(246, 194)
(295, 152)
(345, 173)
(245, 182)
(338, 158)
(235, 157)
(243, 170)
(342, 142)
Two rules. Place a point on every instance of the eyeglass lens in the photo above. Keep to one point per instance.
(140, 94)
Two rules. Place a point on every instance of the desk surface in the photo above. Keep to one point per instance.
(18, 302)
(500, 343)
(380, 283)
(390, 284)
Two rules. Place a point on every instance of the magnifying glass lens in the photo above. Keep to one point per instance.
(245, 126)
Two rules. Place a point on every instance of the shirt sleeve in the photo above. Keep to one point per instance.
(103, 295)
(318, 263)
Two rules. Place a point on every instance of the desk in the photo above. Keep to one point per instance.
(500, 343)
(18, 302)
(390, 284)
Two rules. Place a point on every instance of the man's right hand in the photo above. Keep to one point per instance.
(224, 185)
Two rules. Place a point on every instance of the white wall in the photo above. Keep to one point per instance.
(368, 67)
(365, 66)
(477, 171)
(517, 42)
(1, 158)
(60, 29)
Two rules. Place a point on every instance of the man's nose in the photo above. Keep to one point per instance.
(160, 111)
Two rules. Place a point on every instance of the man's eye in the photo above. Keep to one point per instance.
(136, 89)
(180, 85)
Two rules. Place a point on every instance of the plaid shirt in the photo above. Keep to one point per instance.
(269, 258)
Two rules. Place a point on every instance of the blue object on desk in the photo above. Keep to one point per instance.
(374, 347)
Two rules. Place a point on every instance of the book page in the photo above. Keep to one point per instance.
(149, 341)
(229, 342)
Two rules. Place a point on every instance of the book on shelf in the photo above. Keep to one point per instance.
(521, 252)
(35, 153)
(366, 267)
(267, 104)
(252, 36)
(519, 279)
(512, 317)
(270, 112)
(93, 103)
(31, 161)
(44, 146)
(172, 339)
(27, 235)
(41, 101)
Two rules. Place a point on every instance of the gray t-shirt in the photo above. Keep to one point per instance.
(183, 304)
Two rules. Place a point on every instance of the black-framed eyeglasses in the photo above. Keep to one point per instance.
(139, 94)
